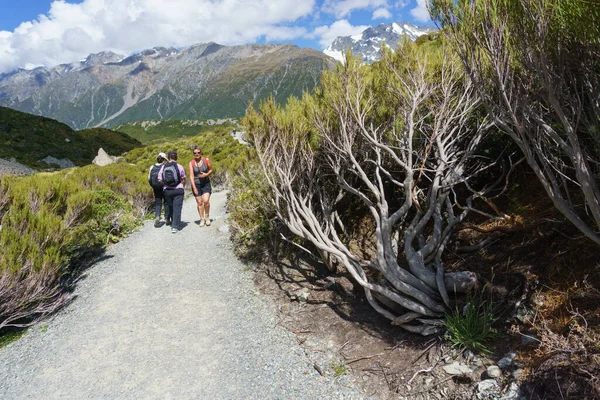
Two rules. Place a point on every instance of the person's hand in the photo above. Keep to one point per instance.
(195, 192)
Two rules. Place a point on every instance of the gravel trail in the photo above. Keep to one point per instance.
(166, 316)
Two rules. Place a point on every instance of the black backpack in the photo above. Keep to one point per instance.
(171, 175)
(154, 177)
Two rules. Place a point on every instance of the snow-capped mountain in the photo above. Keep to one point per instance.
(368, 44)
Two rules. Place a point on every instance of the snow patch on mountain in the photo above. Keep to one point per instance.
(367, 44)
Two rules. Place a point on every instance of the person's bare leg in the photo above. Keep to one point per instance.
(206, 200)
(200, 206)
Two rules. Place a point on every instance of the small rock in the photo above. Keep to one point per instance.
(468, 355)
(428, 381)
(67, 140)
(494, 372)
(456, 369)
(506, 360)
(301, 295)
(486, 387)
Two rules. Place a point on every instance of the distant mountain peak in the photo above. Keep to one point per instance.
(206, 80)
(368, 43)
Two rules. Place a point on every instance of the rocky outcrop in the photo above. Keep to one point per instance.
(12, 167)
(103, 158)
(62, 163)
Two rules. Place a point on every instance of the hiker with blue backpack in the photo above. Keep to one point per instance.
(157, 187)
(172, 176)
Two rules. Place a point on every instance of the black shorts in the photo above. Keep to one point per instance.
(203, 188)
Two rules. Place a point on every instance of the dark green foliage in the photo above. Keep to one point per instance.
(11, 336)
(30, 138)
(471, 328)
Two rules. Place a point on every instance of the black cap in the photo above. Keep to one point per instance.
(172, 155)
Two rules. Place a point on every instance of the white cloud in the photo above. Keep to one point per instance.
(328, 34)
(382, 13)
(72, 31)
(343, 8)
(420, 12)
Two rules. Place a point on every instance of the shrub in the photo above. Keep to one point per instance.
(50, 220)
(254, 225)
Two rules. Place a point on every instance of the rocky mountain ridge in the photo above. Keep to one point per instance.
(368, 44)
(197, 82)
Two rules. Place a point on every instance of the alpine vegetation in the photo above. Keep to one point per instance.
(399, 138)
(536, 65)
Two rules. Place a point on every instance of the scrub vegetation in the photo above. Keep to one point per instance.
(52, 224)
(461, 167)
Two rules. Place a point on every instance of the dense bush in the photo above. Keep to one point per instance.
(253, 222)
(48, 221)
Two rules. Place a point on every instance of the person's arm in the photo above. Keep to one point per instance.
(150, 172)
(192, 174)
(182, 173)
(160, 174)
(209, 166)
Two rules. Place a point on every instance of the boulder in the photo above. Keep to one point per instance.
(62, 163)
(103, 158)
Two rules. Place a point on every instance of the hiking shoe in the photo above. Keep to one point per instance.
(168, 221)
(202, 222)
(174, 230)
(157, 223)
(207, 221)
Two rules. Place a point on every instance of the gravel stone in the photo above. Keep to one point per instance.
(493, 371)
(164, 316)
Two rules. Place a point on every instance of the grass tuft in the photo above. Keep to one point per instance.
(471, 328)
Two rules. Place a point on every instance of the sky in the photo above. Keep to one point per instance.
(47, 32)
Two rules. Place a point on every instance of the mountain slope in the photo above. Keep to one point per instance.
(198, 82)
(368, 44)
(30, 138)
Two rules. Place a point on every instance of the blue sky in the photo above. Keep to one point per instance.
(50, 32)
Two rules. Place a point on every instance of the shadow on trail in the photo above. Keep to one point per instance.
(342, 295)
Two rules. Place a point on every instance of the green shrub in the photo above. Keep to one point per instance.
(252, 219)
(471, 328)
(50, 220)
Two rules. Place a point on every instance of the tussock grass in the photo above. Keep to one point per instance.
(471, 328)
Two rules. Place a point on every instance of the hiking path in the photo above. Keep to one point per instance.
(166, 316)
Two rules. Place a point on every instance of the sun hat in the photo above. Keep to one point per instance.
(162, 154)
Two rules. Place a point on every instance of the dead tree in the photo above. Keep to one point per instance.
(406, 130)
